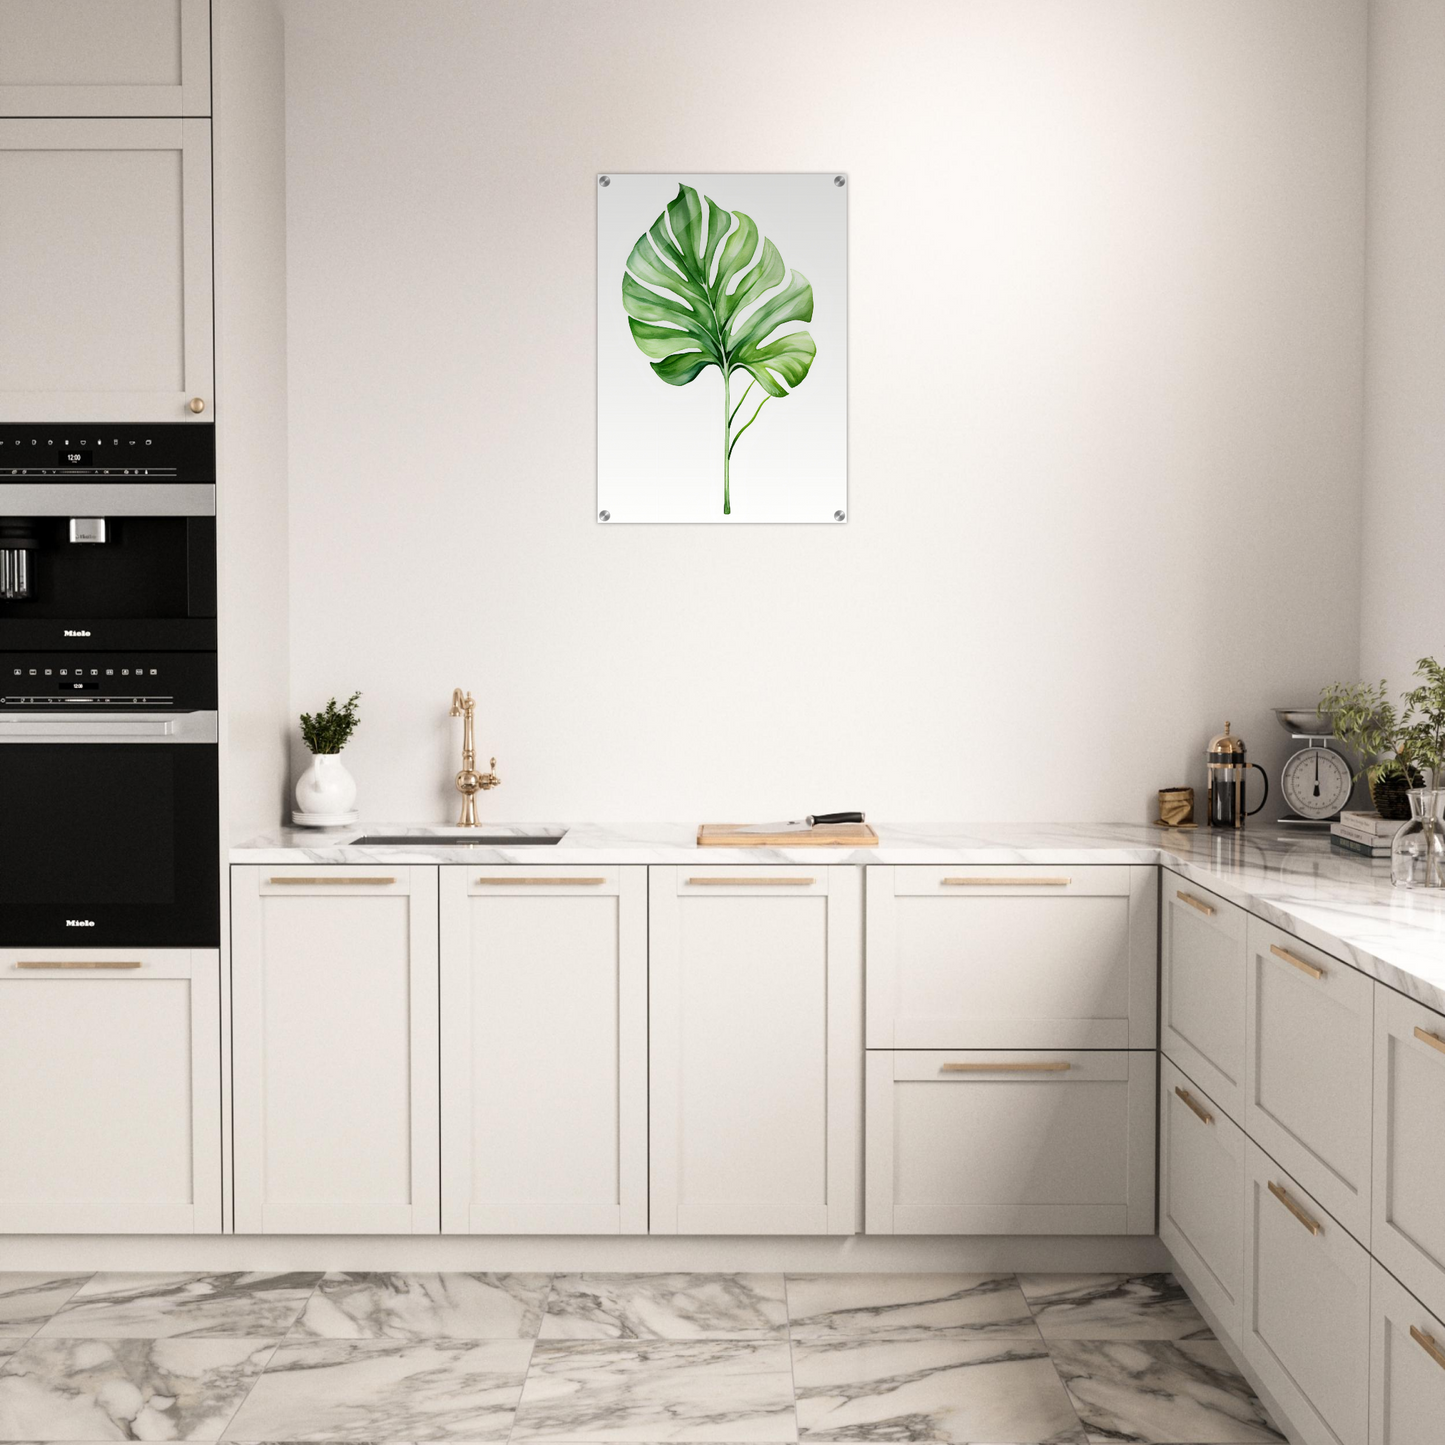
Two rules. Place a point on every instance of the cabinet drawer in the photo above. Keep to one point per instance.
(1407, 1367)
(1201, 1193)
(1408, 1233)
(1306, 1306)
(1308, 1069)
(995, 1142)
(1013, 958)
(1204, 953)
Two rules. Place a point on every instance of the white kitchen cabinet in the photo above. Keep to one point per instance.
(1407, 1367)
(105, 58)
(1201, 1193)
(1203, 989)
(1408, 1234)
(1306, 1307)
(756, 1040)
(110, 1091)
(105, 247)
(544, 1050)
(335, 1049)
(1309, 1069)
(999, 1142)
(971, 957)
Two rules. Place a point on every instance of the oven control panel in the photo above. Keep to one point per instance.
(154, 681)
(114, 452)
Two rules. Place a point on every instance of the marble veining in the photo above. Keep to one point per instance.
(157, 1306)
(901, 1305)
(29, 1298)
(425, 1306)
(1112, 1307)
(666, 1307)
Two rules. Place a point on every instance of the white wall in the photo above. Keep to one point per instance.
(1105, 429)
(1404, 532)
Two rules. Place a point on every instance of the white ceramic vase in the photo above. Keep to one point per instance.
(326, 786)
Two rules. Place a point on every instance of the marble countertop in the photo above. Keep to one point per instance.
(1295, 880)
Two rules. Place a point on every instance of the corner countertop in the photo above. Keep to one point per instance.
(1294, 880)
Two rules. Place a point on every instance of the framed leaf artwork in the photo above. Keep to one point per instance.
(722, 348)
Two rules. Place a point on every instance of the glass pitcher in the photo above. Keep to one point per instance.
(1417, 856)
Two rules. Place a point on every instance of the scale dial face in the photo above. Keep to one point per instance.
(1317, 783)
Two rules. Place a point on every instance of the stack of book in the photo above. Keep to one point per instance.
(1366, 834)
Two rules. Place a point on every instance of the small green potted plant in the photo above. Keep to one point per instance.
(1366, 721)
(1417, 856)
(326, 792)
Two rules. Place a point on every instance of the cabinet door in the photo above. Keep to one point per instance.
(1012, 958)
(755, 1040)
(105, 248)
(1309, 1069)
(1203, 981)
(1407, 1367)
(105, 57)
(1306, 1307)
(544, 1050)
(1201, 1193)
(334, 1048)
(110, 1091)
(1004, 1143)
(1408, 1235)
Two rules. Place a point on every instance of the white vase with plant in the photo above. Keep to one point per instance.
(326, 791)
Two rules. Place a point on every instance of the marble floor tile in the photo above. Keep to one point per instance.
(1113, 1307)
(385, 1390)
(946, 1390)
(425, 1307)
(28, 1299)
(160, 1306)
(93, 1390)
(666, 1307)
(655, 1390)
(1160, 1391)
(901, 1305)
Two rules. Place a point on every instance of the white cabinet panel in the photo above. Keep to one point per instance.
(105, 58)
(1306, 1307)
(1201, 1193)
(544, 1050)
(334, 1018)
(1014, 958)
(756, 1037)
(1203, 967)
(1407, 1367)
(1409, 1141)
(110, 1077)
(105, 247)
(995, 1142)
(1309, 1069)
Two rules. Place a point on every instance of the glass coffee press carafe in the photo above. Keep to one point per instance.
(1227, 769)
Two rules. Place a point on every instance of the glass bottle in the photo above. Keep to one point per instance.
(1417, 856)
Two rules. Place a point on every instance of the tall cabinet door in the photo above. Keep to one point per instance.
(110, 1091)
(544, 1050)
(334, 1050)
(756, 1041)
(105, 247)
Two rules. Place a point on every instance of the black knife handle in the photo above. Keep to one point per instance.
(816, 818)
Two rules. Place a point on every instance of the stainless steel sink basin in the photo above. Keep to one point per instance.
(468, 838)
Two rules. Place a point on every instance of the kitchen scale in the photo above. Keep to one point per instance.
(1316, 782)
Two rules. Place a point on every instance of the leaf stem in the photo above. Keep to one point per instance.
(727, 445)
(741, 400)
(744, 428)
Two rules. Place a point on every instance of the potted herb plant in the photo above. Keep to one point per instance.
(1367, 722)
(1417, 857)
(326, 792)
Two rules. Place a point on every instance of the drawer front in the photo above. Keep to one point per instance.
(1309, 1069)
(1306, 1306)
(1204, 952)
(1015, 958)
(1201, 1193)
(1002, 1142)
(1408, 1233)
(1407, 1367)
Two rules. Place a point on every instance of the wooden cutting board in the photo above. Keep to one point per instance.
(825, 835)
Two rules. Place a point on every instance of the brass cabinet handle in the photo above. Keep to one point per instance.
(330, 882)
(1049, 1068)
(1194, 902)
(555, 882)
(80, 963)
(1194, 1104)
(1429, 1344)
(1295, 961)
(1313, 1225)
(1434, 1040)
(1008, 882)
(760, 881)
(196, 404)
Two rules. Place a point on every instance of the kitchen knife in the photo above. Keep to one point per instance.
(800, 825)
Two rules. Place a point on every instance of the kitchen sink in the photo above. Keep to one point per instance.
(470, 838)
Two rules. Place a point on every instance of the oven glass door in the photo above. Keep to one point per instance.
(108, 842)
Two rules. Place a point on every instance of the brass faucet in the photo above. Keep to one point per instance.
(469, 780)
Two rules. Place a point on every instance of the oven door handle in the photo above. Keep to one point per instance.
(179, 727)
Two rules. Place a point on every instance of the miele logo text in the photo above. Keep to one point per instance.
(74, 632)
(80, 923)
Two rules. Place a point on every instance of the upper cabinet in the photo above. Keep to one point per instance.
(105, 58)
(105, 247)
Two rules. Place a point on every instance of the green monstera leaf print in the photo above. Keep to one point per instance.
(689, 279)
